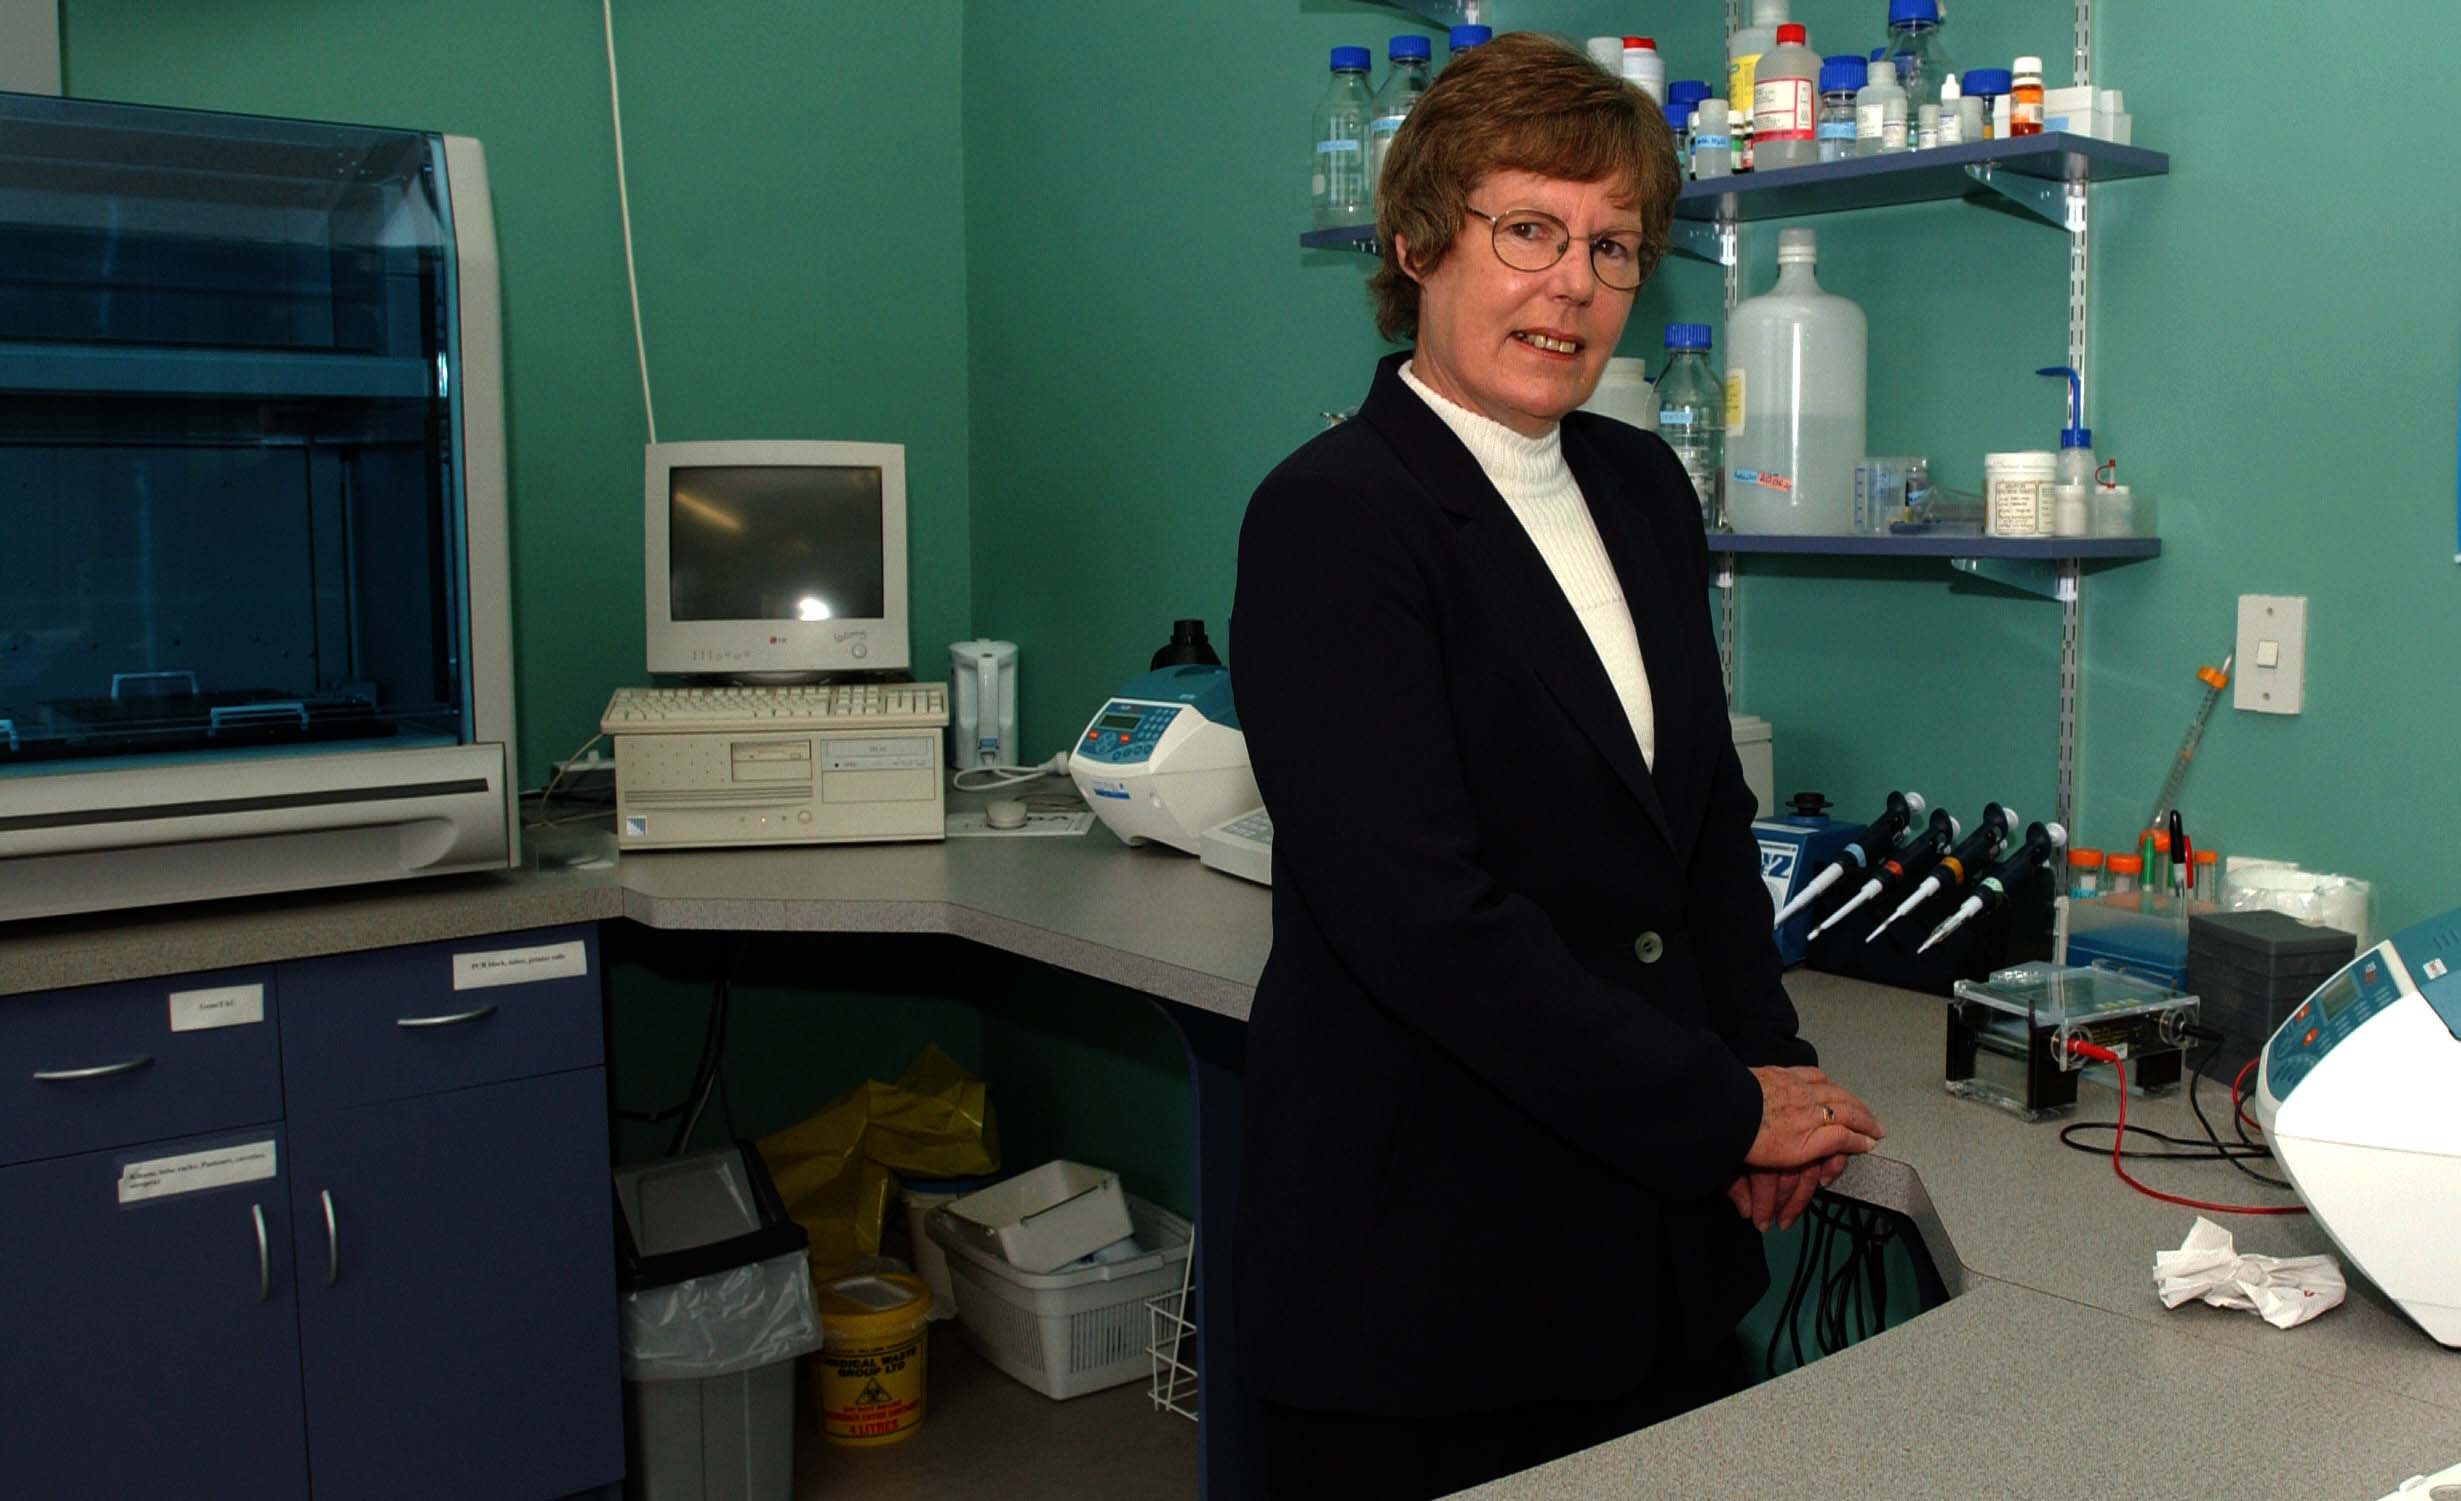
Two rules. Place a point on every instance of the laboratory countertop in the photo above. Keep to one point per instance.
(2055, 1371)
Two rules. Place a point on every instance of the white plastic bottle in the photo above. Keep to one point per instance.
(1786, 103)
(1743, 51)
(1880, 112)
(1340, 187)
(1712, 148)
(1411, 58)
(1644, 67)
(1795, 370)
(1607, 52)
(1952, 120)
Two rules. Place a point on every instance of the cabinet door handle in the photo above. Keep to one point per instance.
(98, 1071)
(264, 1255)
(333, 1240)
(450, 1019)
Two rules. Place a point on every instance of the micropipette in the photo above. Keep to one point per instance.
(1916, 856)
(2215, 680)
(2041, 841)
(1981, 845)
(1876, 838)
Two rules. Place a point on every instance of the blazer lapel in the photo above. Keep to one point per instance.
(1561, 653)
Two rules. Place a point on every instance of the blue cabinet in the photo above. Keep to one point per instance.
(442, 1240)
(151, 1347)
(363, 1249)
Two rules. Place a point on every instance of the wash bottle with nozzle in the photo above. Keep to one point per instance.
(2076, 440)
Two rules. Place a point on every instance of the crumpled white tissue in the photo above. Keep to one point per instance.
(2284, 1290)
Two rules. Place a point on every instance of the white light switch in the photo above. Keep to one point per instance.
(2272, 673)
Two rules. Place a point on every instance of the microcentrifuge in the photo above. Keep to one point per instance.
(2355, 1092)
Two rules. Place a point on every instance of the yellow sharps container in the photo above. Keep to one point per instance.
(872, 1347)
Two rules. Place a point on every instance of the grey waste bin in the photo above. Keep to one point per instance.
(717, 1306)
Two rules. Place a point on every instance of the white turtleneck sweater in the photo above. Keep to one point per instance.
(1531, 475)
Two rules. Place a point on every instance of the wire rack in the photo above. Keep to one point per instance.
(1172, 1347)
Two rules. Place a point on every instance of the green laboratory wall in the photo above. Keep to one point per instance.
(795, 176)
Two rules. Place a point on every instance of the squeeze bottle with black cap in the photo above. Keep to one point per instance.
(1786, 104)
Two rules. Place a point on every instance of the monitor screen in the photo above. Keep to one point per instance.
(775, 542)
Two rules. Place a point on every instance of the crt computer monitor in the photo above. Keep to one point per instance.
(775, 560)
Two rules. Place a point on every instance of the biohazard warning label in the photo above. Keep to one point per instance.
(874, 1393)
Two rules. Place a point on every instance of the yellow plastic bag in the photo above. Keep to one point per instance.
(836, 1170)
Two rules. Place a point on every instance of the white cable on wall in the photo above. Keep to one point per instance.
(623, 201)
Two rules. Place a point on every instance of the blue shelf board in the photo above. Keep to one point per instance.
(1933, 545)
(149, 370)
(1445, 14)
(1937, 175)
(1358, 237)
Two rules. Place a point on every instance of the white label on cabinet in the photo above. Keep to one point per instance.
(215, 1167)
(223, 1006)
(489, 967)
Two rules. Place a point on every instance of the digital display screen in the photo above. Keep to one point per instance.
(2338, 995)
(1119, 721)
(775, 542)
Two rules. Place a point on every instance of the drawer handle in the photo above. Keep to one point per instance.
(264, 1255)
(333, 1240)
(455, 1019)
(98, 1071)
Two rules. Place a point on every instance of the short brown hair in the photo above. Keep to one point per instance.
(1524, 102)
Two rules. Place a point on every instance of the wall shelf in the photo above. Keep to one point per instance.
(1358, 237)
(1933, 545)
(1944, 172)
(1444, 13)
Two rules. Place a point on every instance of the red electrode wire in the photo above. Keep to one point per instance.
(2245, 1069)
(2099, 1054)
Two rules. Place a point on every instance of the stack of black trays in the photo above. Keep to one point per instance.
(2251, 970)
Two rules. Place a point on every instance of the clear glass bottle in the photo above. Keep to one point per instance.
(1412, 59)
(1841, 78)
(1915, 52)
(1692, 414)
(1462, 38)
(1679, 126)
(1339, 186)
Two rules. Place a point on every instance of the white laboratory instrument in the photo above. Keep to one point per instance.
(1165, 758)
(983, 717)
(2355, 1093)
(697, 768)
(1241, 847)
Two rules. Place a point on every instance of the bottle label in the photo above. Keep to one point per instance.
(1674, 417)
(1782, 110)
(2024, 118)
(1869, 121)
(1767, 479)
(1893, 135)
(1739, 74)
(1952, 129)
(1837, 130)
(1713, 143)
(1385, 125)
(1334, 148)
(1734, 401)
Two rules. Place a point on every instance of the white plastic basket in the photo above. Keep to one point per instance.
(1068, 1332)
(1039, 1221)
(1172, 1349)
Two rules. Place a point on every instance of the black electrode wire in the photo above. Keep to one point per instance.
(2211, 1149)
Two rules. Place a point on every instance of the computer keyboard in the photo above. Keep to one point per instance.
(1243, 847)
(819, 706)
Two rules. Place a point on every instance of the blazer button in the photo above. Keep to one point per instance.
(1648, 947)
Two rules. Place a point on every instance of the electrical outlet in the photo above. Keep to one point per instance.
(2271, 674)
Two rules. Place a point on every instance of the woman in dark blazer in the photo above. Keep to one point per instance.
(1522, 1077)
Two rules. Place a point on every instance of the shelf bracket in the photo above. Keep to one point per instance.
(2044, 580)
(2046, 199)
